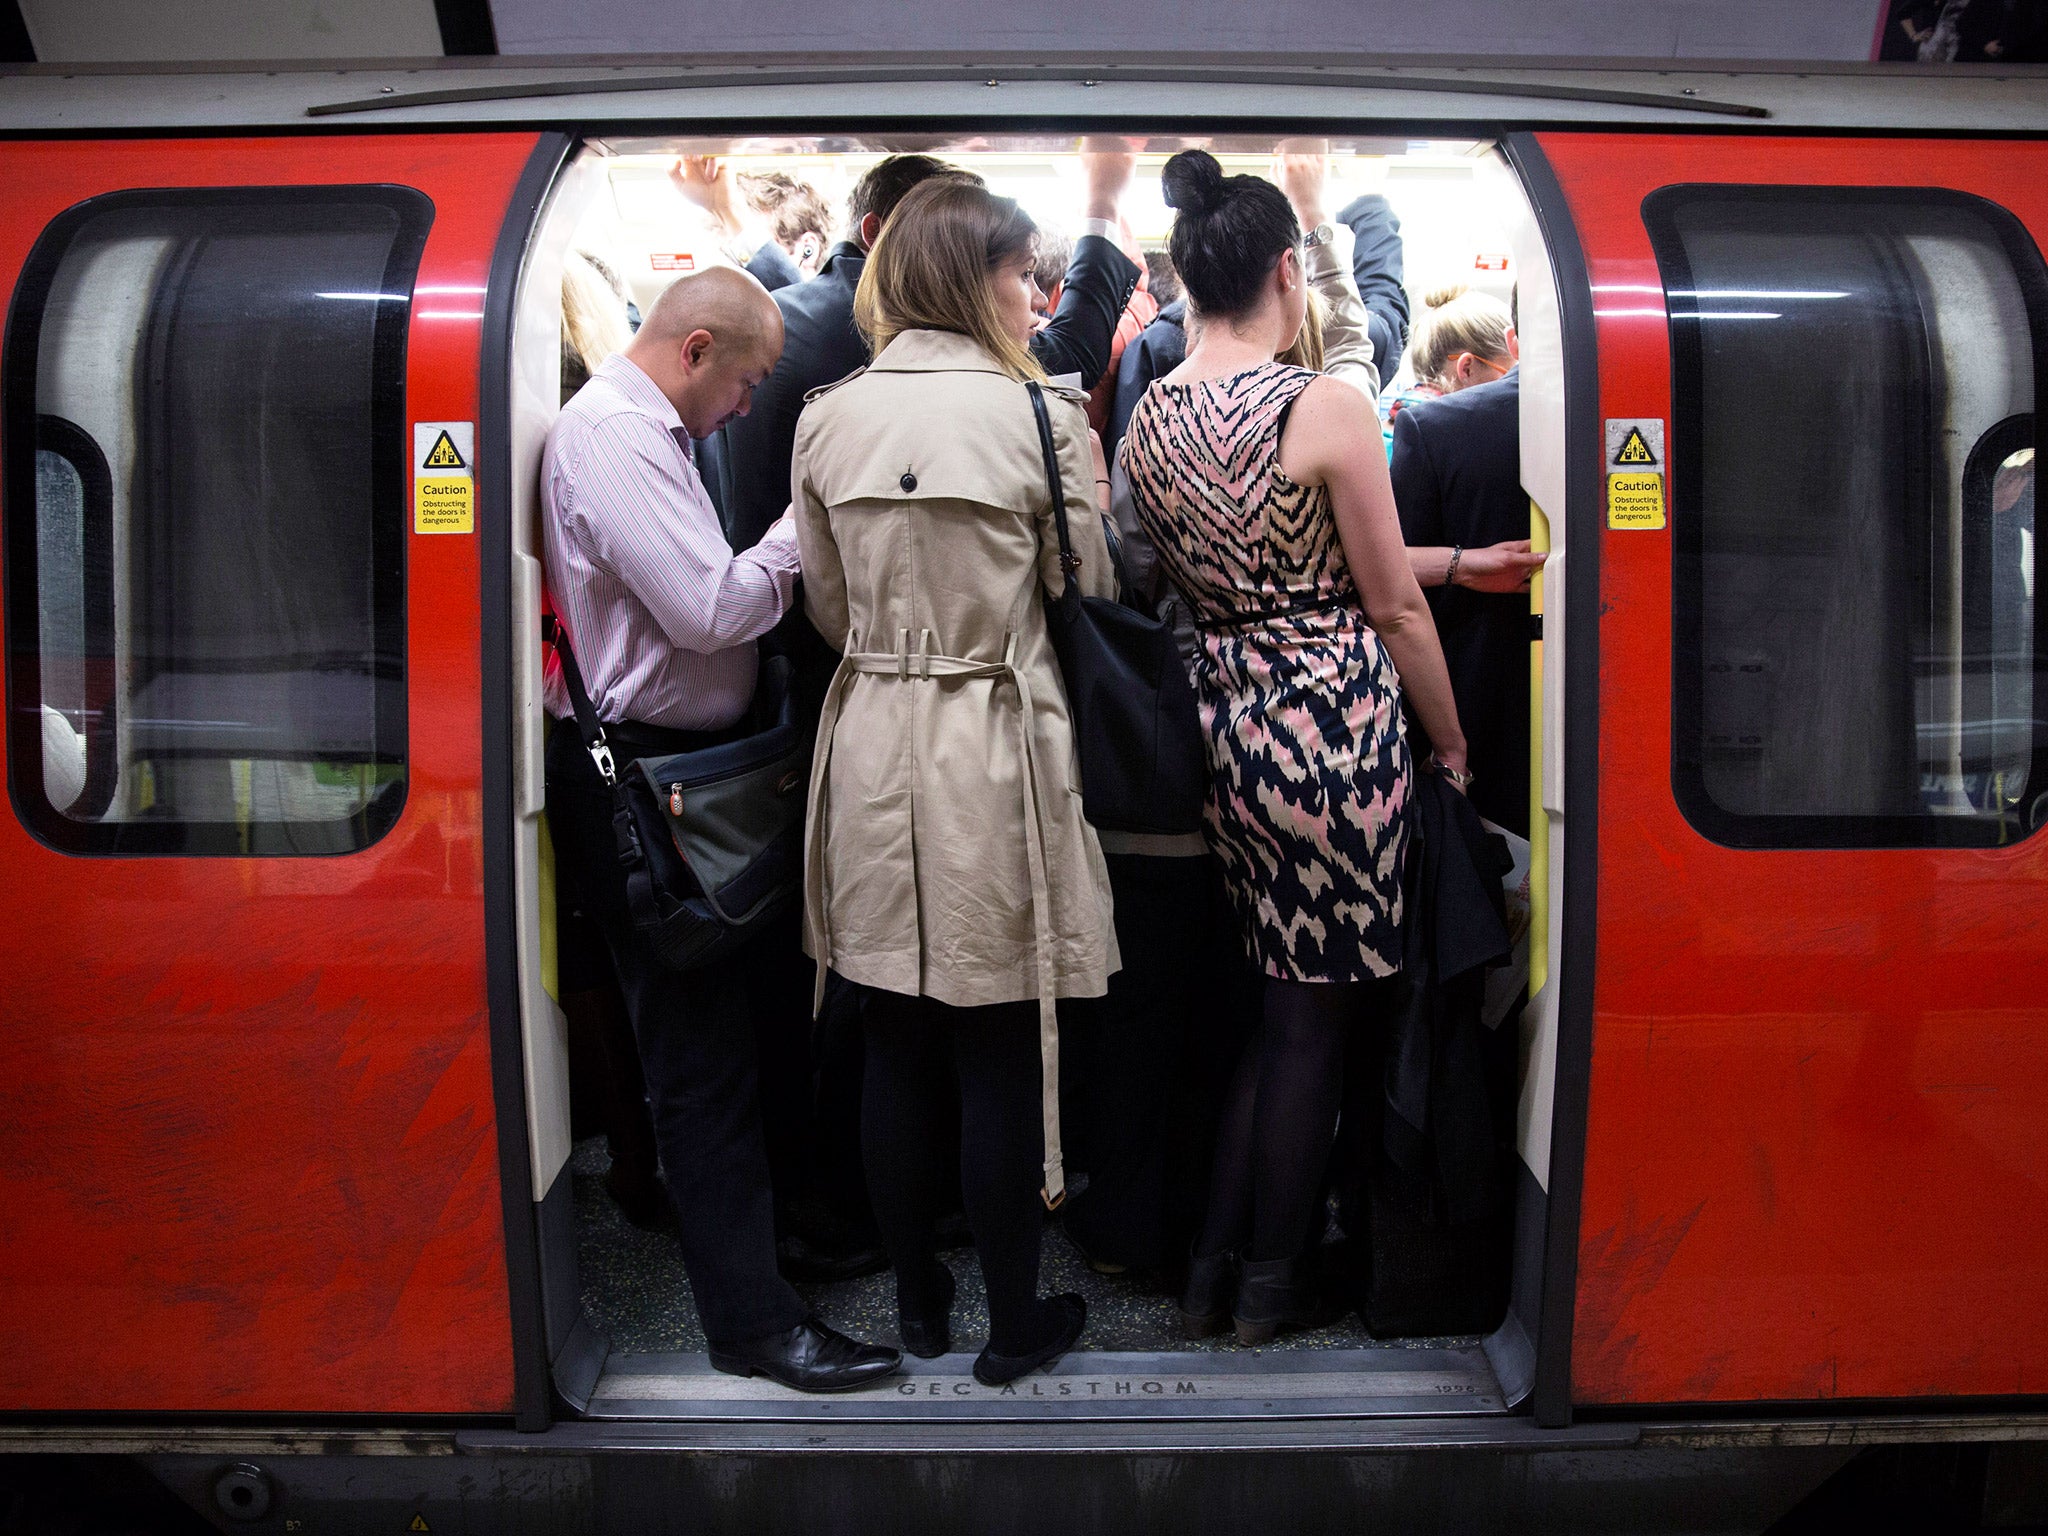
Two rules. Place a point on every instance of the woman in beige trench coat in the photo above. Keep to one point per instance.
(948, 867)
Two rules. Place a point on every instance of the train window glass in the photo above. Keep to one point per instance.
(1858, 657)
(206, 606)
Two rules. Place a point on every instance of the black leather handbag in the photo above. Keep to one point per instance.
(711, 841)
(1144, 766)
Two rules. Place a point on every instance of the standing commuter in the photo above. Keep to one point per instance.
(780, 236)
(1264, 491)
(1457, 475)
(949, 870)
(663, 617)
(823, 1210)
(1143, 1086)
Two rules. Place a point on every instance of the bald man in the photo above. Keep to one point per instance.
(663, 617)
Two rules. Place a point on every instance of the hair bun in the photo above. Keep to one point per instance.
(1448, 293)
(1192, 181)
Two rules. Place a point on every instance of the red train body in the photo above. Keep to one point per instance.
(268, 1129)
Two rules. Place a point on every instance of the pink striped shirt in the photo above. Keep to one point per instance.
(662, 613)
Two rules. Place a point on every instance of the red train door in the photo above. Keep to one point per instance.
(1817, 1117)
(249, 1151)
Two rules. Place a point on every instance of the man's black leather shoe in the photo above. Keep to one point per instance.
(811, 1357)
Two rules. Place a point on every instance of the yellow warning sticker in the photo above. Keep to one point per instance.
(1635, 501)
(443, 504)
(1633, 449)
(419, 1523)
(444, 454)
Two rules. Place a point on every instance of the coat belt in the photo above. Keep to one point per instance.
(908, 664)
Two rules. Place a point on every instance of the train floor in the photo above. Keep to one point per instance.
(1132, 1358)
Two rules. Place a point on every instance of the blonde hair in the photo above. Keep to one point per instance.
(593, 320)
(1306, 351)
(1457, 320)
(932, 266)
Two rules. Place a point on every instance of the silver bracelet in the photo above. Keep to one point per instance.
(1451, 575)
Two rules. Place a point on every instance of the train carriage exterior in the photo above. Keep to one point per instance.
(285, 1221)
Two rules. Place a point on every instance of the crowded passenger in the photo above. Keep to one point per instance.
(1461, 340)
(594, 320)
(825, 346)
(1264, 492)
(1457, 476)
(958, 909)
(1145, 1092)
(769, 224)
(664, 620)
(949, 870)
(814, 1070)
(1338, 274)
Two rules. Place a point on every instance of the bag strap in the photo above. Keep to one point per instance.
(1069, 564)
(587, 722)
(644, 900)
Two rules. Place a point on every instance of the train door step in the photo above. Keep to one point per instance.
(1085, 1385)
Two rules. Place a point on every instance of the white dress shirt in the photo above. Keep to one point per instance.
(662, 614)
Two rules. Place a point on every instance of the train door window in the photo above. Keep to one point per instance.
(205, 521)
(1858, 656)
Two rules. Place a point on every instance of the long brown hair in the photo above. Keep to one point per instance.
(932, 270)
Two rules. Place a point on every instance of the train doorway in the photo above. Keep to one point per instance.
(619, 224)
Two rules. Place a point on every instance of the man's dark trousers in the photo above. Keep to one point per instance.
(697, 1050)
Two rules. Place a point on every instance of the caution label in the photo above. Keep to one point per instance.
(1635, 442)
(444, 477)
(1635, 501)
(443, 504)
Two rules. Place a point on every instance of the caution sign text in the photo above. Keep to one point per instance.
(1635, 501)
(444, 477)
(443, 504)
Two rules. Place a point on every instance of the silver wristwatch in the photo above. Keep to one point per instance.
(1322, 234)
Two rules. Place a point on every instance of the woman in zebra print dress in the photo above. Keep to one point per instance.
(1263, 488)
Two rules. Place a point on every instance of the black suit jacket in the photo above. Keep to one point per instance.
(774, 268)
(1157, 350)
(1458, 480)
(820, 346)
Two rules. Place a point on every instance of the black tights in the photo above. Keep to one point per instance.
(920, 1053)
(1279, 1118)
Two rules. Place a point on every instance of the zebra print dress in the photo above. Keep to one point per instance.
(1300, 702)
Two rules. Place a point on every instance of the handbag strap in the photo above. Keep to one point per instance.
(1069, 564)
(644, 899)
(587, 723)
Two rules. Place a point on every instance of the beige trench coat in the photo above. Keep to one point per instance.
(945, 852)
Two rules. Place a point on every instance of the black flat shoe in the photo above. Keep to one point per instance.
(930, 1336)
(810, 1357)
(994, 1370)
(1206, 1298)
